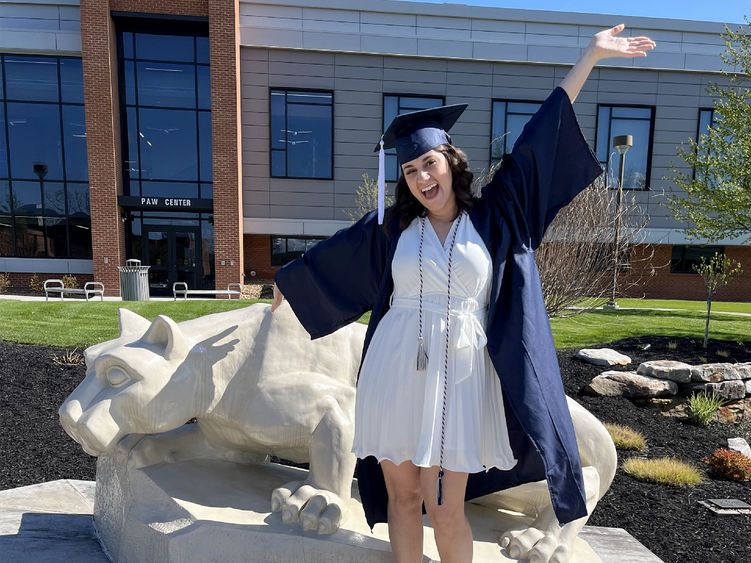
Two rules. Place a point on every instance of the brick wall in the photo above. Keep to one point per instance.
(99, 53)
(665, 285)
(257, 251)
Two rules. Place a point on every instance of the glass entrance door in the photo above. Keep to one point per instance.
(171, 252)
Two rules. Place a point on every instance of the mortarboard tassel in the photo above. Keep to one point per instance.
(439, 488)
(422, 357)
(381, 182)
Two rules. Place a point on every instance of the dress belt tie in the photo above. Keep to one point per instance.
(468, 328)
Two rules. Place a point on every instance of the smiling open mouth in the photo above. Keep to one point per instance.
(430, 191)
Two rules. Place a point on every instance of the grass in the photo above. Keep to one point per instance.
(717, 306)
(600, 327)
(80, 324)
(703, 406)
(626, 438)
(663, 471)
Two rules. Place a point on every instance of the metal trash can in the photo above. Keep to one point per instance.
(134, 281)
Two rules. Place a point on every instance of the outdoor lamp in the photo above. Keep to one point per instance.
(621, 143)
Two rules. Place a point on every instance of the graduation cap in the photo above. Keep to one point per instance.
(414, 134)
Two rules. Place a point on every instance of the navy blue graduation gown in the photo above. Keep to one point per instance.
(341, 278)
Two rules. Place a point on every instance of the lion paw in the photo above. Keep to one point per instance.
(535, 546)
(316, 509)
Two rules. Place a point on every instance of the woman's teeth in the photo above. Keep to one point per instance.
(430, 191)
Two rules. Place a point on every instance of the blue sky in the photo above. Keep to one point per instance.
(728, 11)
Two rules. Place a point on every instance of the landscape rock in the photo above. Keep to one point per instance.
(739, 445)
(631, 385)
(744, 370)
(748, 387)
(735, 411)
(728, 390)
(715, 372)
(666, 369)
(603, 357)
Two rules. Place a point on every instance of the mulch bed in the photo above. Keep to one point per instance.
(668, 520)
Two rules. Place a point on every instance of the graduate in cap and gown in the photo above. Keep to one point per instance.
(459, 392)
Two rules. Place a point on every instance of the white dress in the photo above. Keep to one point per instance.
(398, 412)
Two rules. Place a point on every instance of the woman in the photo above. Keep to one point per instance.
(459, 391)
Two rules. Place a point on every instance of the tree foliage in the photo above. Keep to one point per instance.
(366, 198)
(716, 273)
(716, 202)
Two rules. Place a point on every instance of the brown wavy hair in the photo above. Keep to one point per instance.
(406, 207)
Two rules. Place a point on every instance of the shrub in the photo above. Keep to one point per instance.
(36, 284)
(4, 282)
(69, 280)
(729, 465)
(664, 471)
(626, 438)
(703, 406)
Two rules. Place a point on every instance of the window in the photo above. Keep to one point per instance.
(302, 134)
(626, 120)
(706, 120)
(285, 249)
(44, 191)
(394, 105)
(509, 118)
(685, 257)
(166, 113)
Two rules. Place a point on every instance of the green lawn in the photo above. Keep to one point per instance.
(79, 324)
(719, 306)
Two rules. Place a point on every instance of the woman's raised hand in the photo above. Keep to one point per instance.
(606, 44)
(278, 298)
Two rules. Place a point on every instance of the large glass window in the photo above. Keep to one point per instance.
(706, 120)
(302, 134)
(509, 118)
(626, 120)
(166, 114)
(43, 163)
(285, 249)
(684, 258)
(394, 105)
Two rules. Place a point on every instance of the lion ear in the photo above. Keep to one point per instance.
(132, 324)
(164, 332)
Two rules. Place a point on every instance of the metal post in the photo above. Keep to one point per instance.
(621, 143)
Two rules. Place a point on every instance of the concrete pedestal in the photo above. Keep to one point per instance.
(220, 511)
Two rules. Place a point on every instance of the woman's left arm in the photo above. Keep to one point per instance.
(603, 45)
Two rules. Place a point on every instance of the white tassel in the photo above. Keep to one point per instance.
(422, 357)
(381, 183)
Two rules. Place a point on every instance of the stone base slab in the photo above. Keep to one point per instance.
(207, 510)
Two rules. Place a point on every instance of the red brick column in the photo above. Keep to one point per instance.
(224, 45)
(99, 54)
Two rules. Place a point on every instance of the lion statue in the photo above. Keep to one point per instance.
(257, 386)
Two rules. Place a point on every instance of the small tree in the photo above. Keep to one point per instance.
(576, 258)
(366, 198)
(716, 274)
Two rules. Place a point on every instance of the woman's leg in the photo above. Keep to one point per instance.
(404, 510)
(453, 536)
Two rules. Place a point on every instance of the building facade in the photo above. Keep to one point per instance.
(216, 139)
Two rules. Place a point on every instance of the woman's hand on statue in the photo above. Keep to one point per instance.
(606, 44)
(278, 298)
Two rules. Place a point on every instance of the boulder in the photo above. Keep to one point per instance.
(739, 445)
(728, 390)
(666, 369)
(603, 357)
(748, 387)
(744, 370)
(735, 411)
(631, 385)
(713, 373)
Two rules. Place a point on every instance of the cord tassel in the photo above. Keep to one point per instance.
(422, 357)
(439, 488)
(381, 182)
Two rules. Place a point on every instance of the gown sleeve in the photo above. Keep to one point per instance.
(337, 280)
(549, 165)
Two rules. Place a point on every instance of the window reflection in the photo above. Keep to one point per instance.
(166, 85)
(168, 144)
(618, 120)
(301, 134)
(40, 193)
(157, 47)
(509, 119)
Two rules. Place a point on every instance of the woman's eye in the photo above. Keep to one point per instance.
(117, 376)
(409, 172)
(431, 162)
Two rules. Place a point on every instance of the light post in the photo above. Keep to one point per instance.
(621, 143)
